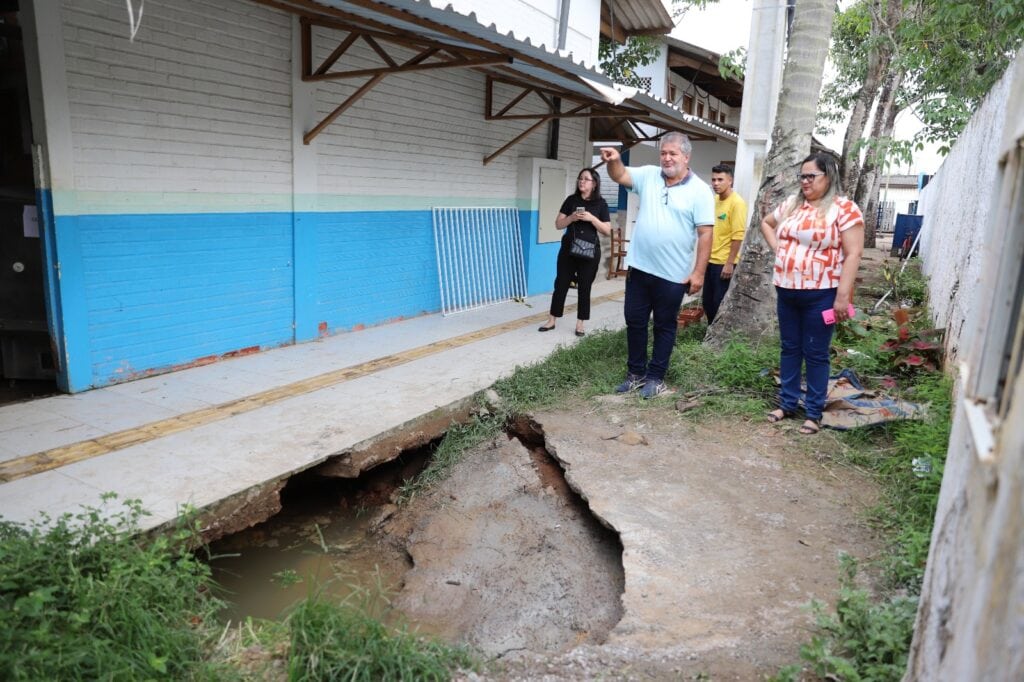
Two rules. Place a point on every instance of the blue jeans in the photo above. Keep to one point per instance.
(806, 340)
(648, 296)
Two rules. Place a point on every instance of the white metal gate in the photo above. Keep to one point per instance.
(479, 257)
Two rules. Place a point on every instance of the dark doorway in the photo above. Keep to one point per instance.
(27, 367)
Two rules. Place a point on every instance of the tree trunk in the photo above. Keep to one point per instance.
(849, 162)
(866, 194)
(749, 305)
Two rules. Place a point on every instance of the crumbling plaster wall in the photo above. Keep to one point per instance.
(956, 231)
(970, 622)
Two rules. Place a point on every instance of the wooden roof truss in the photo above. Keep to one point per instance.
(433, 46)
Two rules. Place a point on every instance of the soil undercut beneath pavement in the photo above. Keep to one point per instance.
(722, 531)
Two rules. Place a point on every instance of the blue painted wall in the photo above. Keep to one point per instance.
(541, 259)
(144, 293)
(373, 267)
(160, 291)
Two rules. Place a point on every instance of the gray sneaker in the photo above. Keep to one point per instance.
(654, 388)
(632, 383)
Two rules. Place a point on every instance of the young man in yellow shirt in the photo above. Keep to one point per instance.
(730, 225)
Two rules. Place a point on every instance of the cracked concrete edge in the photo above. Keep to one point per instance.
(574, 485)
(257, 503)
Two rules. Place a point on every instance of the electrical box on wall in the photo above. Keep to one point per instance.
(543, 186)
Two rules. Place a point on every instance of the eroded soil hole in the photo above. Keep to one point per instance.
(501, 555)
(322, 537)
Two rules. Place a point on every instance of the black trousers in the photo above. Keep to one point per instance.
(570, 268)
(714, 290)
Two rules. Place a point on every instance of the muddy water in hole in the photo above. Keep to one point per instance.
(267, 569)
(320, 541)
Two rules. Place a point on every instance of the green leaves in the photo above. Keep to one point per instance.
(950, 53)
(619, 61)
(863, 640)
(83, 598)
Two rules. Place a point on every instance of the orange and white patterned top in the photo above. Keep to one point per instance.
(810, 253)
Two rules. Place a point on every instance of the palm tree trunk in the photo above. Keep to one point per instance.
(749, 305)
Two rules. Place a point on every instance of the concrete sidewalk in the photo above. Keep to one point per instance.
(207, 434)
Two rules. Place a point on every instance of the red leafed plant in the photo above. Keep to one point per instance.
(914, 350)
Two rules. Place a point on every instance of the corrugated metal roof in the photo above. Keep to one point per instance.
(534, 62)
(639, 17)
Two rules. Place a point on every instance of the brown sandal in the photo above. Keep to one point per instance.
(778, 414)
(810, 427)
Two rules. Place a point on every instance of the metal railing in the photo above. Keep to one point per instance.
(479, 257)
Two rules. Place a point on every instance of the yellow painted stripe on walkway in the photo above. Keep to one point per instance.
(29, 465)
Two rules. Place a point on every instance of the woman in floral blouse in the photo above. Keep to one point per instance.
(818, 239)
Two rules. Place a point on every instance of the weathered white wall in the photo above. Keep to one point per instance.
(201, 99)
(424, 134)
(970, 622)
(955, 206)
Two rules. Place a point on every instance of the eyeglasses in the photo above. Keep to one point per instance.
(664, 196)
(808, 177)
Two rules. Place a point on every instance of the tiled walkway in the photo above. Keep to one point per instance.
(207, 433)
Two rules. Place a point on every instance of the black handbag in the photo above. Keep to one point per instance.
(581, 248)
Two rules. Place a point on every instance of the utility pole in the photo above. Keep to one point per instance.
(762, 81)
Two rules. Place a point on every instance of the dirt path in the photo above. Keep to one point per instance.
(727, 530)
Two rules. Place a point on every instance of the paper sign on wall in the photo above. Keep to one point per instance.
(30, 219)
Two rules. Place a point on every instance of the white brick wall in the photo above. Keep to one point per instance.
(424, 134)
(538, 21)
(200, 101)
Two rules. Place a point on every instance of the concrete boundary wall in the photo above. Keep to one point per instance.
(970, 622)
(957, 235)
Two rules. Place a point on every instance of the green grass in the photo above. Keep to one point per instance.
(459, 439)
(86, 598)
(332, 641)
(868, 636)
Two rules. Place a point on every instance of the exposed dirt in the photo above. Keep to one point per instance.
(727, 528)
(507, 559)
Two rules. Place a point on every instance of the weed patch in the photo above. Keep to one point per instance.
(332, 641)
(86, 598)
(862, 640)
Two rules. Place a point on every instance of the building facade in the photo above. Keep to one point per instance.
(225, 177)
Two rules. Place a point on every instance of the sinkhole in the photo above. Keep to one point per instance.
(501, 554)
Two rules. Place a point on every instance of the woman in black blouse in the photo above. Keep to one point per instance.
(585, 213)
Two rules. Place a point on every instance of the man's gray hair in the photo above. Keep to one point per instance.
(680, 139)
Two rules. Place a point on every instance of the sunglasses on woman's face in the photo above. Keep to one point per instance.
(808, 177)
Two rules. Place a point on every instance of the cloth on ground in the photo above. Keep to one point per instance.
(849, 405)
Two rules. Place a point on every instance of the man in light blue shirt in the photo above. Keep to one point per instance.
(667, 256)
